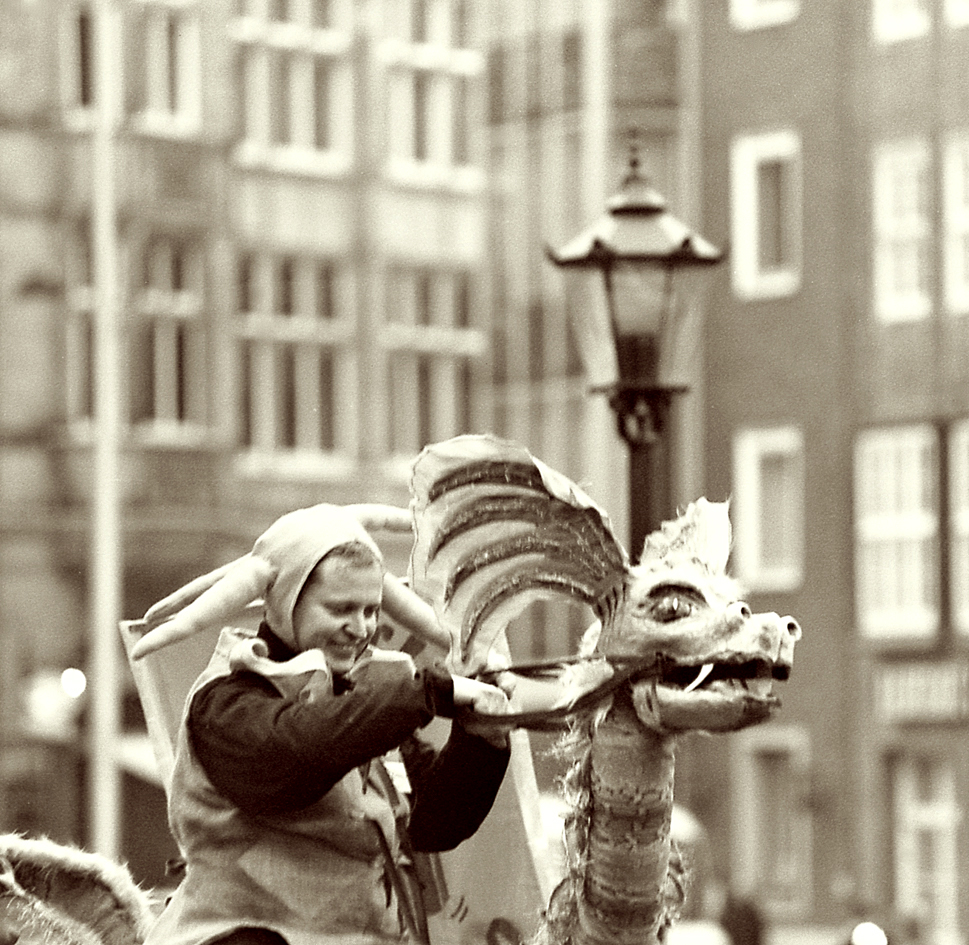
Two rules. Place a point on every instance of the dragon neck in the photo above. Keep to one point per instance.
(627, 891)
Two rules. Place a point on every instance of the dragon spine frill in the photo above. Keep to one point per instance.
(496, 532)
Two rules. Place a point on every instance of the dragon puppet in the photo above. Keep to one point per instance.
(673, 650)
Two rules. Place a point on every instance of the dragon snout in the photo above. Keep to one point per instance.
(775, 636)
(790, 634)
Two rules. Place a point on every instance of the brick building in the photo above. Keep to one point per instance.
(835, 154)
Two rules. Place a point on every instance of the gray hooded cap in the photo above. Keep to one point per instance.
(295, 544)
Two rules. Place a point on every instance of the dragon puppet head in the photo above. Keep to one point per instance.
(716, 660)
(497, 529)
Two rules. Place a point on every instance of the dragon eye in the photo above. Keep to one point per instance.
(672, 607)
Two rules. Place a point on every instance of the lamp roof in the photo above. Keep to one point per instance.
(636, 228)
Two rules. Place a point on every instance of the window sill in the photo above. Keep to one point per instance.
(294, 161)
(165, 125)
(762, 16)
(170, 435)
(426, 176)
(775, 581)
(899, 313)
(889, 31)
(775, 285)
(293, 465)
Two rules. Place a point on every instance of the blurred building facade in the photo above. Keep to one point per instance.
(836, 156)
(317, 276)
(332, 217)
(301, 229)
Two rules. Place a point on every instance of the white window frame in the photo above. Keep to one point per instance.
(307, 338)
(959, 524)
(171, 319)
(785, 887)
(163, 19)
(751, 448)
(955, 190)
(77, 115)
(748, 154)
(426, 352)
(79, 365)
(757, 14)
(928, 889)
(897, 20)
(452, 77)
(902, 230)
(957, 13)
(896, 533)
(259, 40)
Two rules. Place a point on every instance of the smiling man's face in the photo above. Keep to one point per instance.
(337, 610)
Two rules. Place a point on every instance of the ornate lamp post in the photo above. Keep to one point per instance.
(639, 248)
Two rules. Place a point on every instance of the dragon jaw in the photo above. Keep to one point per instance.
(718, 661)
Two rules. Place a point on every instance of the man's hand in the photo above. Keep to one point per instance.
(484, 700)
(480, 696)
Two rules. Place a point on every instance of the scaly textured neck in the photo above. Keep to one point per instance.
(625, 896)
(621, 889)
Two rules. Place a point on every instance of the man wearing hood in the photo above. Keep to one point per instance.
(291, 829)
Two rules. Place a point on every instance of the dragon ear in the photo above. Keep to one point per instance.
(713, 534)
(413, 613)
(214, 601)
(701, 535)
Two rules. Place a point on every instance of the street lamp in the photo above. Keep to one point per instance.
(639, 247)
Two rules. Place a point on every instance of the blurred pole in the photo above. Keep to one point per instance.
(105, 583)
(603, 451)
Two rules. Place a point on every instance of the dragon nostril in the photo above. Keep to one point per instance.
(740, 610)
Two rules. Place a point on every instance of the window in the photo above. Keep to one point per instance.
(295, 364)
(168, 94)
(894, 20)
(79, 78)
(80, 330)
(955, 183)
(296, 85)
(432, 77)
(83, 40)
(769, 491)
(902, 272)
(167, 353)
(957, 12)
(430, 353)
(896, 533)
(498, 84)
(753, 14)
(771, 768)
(926, 843)
(572, 70)
(959, 524)
(766, 215)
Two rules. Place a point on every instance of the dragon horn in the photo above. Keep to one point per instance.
(400, 603)
(167, 607)
(413, 613)
(242, 582)
(374, 517)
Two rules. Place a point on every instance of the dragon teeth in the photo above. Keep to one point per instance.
(761, 688)
(705, 671)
